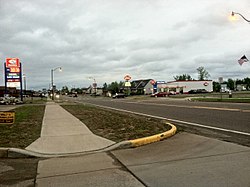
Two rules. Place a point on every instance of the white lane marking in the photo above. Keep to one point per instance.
(183, 106)
(174, 120)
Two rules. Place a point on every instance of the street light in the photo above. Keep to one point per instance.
(94, 84)
(24, 81)
(233, 14)
(52, 79)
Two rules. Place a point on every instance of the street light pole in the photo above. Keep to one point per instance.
(24, 82)
(94, 84)
(52, 80)
(233, 14)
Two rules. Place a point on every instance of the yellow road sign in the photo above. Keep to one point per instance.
(7, 117)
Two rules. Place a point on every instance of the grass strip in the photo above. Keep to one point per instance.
(26, 128)
(115, 125)
(230, 100)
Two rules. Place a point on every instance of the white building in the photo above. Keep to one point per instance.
(186, 86)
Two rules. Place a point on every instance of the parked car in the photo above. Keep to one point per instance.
(7, 100)
(118, 95)
(159, 94)
(198, 91)
(171, 93)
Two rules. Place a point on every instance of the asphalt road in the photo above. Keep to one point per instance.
(225, 121)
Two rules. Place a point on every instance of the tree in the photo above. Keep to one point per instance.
(216, 86)
(65, 90)
(113, 87)
(230, 84)
(183, 77)
(105, 87)
(247, 82)
(202, 73)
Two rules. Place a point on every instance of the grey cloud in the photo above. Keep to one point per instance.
(106, 40)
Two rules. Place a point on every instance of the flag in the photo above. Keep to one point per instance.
(242, 60)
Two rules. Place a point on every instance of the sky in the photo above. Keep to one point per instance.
(103, 40)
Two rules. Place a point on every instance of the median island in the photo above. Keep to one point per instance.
(114, 125)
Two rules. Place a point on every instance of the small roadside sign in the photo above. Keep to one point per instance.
(127, 84)
(7, 117)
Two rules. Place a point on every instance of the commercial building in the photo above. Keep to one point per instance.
(179, 87)
(186, 86)
(141, 87)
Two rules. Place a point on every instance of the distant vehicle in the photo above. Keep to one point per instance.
(95, 94)
(198, 91)
(118, 95)
(159, 94)
(171, 93)
(74, 94)
(225, 90)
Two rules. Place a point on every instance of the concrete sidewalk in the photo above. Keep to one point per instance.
(62, 133)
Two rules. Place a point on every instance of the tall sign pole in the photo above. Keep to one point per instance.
(5, 80)
(13, 74)
(127, 78)
(21, 82)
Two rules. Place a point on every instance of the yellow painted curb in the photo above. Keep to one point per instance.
(154, 138)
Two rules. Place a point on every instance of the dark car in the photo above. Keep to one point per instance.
(118, 95)
(198, 91)
(159, 94)
(192, 91)
(202, 91)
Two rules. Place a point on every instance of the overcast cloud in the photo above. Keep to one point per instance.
(105, 40)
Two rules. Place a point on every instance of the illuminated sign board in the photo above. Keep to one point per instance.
(12, 62)
(13, 73)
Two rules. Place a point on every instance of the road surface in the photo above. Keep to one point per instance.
(224, 121)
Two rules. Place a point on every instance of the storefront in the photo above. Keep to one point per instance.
(186, 86)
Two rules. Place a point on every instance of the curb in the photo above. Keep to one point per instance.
(143, 141)
(22, 153)
(154, 138)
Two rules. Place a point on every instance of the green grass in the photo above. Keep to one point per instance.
(34, 100)
(114, 125)
(231, 100)
(26, 128)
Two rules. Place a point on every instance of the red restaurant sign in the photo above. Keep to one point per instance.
(127, 77)
(12, 62)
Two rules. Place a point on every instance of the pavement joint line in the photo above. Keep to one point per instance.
(245, 110)
(195, 107)
(67, 135)
(175, 120)
(190, 158)
(76, 173)
(126, 168)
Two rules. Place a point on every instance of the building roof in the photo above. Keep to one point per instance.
(139, 84)
(189, 81)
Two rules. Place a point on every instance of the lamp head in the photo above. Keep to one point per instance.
(232, 16)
